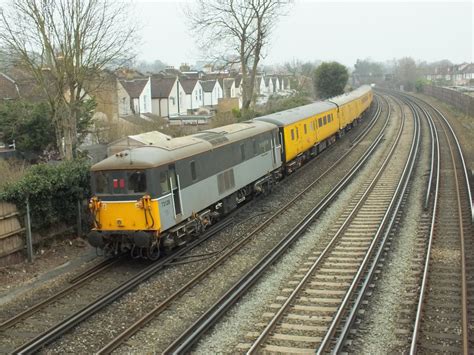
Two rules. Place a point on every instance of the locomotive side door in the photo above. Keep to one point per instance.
(175, 189)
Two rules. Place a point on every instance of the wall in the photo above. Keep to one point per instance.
(462, 102)
(145, 99)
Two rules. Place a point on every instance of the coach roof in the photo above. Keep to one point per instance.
(294, 115)
(168, 151)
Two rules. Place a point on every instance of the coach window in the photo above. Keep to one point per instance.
(164, 183)
(324, 120)
(305, 131)
(329, 118)
(320, 121)
(242, 151)
(297, 133)
(292, 135)
(193, 170)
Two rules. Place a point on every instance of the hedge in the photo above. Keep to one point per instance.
(53, 191)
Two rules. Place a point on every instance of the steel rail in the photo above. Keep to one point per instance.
(464, 315)
(104, 263)
(459, 148)
(277, 317)
(114, 343)
(57, 330)
(424, 283)
(89, 274)
(392, 210)
(187, 339)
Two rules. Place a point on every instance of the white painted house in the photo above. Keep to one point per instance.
(268, 85)
(276, 84)
(212, 92)
(129, 95)
(167, 97)
(194, 94)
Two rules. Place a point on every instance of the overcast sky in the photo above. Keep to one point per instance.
(342, 31)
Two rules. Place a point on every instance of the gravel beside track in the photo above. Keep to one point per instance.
(241, 322)
(381, 327)
(101, 328)
(13, 336)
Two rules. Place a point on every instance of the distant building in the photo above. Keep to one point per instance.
(212, 92)
(194, 94)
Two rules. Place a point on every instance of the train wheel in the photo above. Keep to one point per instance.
(135, 252)
(153, 253)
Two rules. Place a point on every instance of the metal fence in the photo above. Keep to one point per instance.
(462, 102)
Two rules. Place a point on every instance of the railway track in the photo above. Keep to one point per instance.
(161, 307)
(39, 325)
(69, 317)
(302, 314)
(442, 322)
(433, 311)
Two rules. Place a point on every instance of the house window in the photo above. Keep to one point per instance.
(144, 103)
(242, 151)
(193, 170)
(172, 100)
(320, 121)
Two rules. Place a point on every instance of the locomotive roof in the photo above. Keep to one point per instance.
(168, 151)
(293, 115)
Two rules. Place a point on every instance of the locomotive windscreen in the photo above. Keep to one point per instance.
(119, 182)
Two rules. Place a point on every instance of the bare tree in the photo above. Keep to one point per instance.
(238, 31)
(65, 45)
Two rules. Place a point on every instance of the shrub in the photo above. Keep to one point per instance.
(53, 191)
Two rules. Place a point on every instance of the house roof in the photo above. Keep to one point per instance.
(134, 87)
(17, 83)
(208, 85)
(161, 88)
(188, 85)
(8, 88)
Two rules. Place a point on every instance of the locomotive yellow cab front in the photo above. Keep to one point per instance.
(125, 215)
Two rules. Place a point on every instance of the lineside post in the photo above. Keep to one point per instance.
(29, 239)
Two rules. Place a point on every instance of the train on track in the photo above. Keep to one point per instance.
(157, 197)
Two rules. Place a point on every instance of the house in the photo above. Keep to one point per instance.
(167, 97)
(268, 86)
(229, 88)
(285, 83)
(194, 94)
(129, 92)
(212, 92)
(260, 86)
(276, 84)
(19, 84)
(9, 89)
